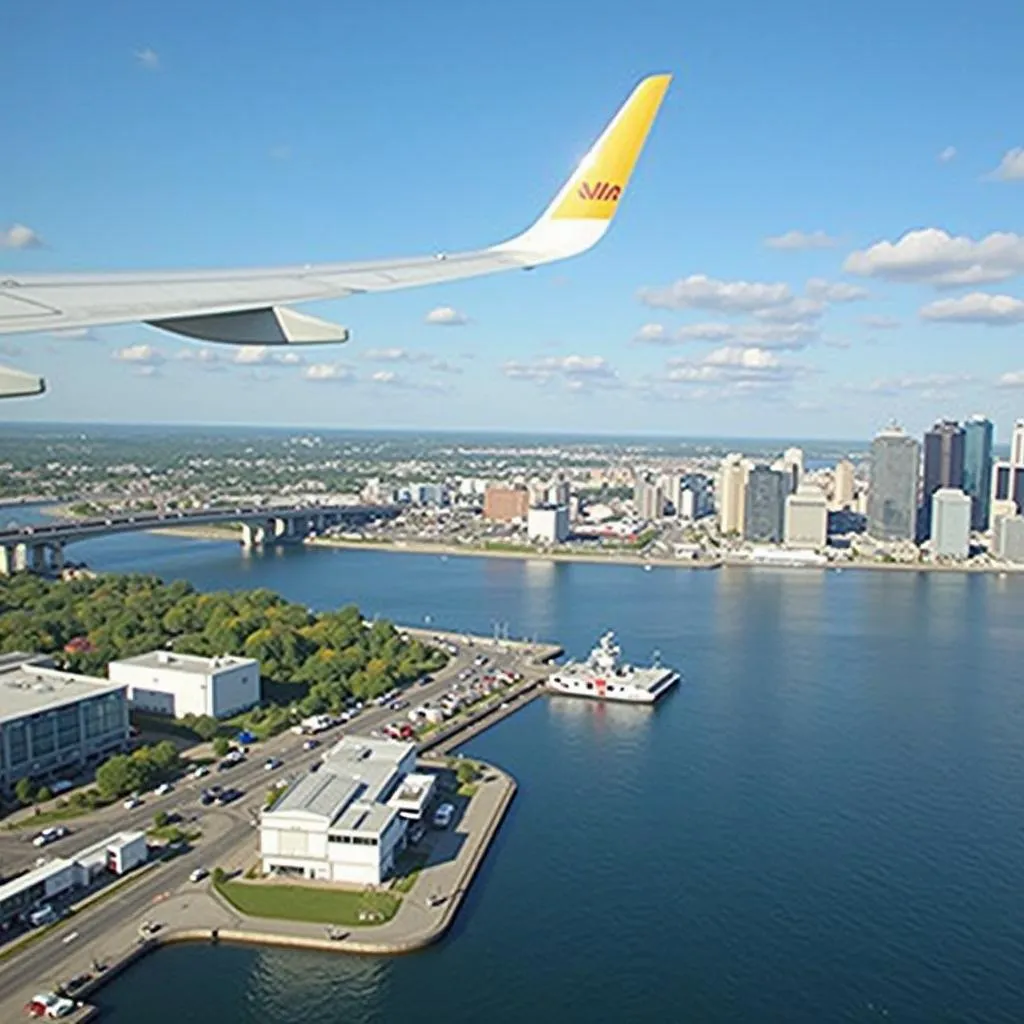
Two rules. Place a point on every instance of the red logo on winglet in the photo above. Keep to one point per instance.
(603, 191)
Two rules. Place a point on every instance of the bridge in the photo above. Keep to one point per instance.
(40, 547)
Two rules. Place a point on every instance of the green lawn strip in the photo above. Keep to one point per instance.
(57, 814)
(173, 833)
(304, 903)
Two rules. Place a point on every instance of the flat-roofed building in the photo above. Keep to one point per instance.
(167, 683)
(347, 821)
(54, 722)
(950, 523)
(505, 504)
(806, 518)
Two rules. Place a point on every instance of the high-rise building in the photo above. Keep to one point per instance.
(806, 523)
(559, 492)
(892, 497)
(765, 509)
(1017, 444)
(648, 498)
(731, 494)
(793, 463)
(548, 523)
(943, 467)
(951, 523)
(978, 469)
(843, 484)
(1007, 486)
(694, 496)
(506, 503)
(1008, 538)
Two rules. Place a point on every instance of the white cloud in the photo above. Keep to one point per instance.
(443, 366)
(880, 322)
(777, 336)
(702, 292)
(800, 240)
(976, 308)
(576, 372)
(445, 316)
(384, 377)
(139, 354)
(834, 291)
(1012, 379)
(928, 385)
(330, 373)
(392, 355)
(204, 357)
(732, 369)
(265, 355)
(1011, 167)
(797, 310)
(652, 333)
(19, 236)
(148, 59)
(932, 256)
(391, 379)
(947, 154)
(250, 355)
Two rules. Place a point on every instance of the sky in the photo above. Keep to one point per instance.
(822, 234)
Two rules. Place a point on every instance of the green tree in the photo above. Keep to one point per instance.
(25, 791)
(221, 746)
(205, 727)
(43, 795)
(160, 819)
(164, 757)
(466, 773)
(116, 776)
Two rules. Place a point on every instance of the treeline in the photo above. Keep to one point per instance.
(332, 655)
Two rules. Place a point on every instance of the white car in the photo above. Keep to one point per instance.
(131, 803)
(163, 789)
(198, 875)
(443, 815)
(201, 772)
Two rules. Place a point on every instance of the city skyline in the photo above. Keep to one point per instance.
(740, 293)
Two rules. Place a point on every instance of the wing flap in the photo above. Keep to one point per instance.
(276, 325)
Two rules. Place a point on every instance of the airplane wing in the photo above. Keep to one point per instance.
(251, 307)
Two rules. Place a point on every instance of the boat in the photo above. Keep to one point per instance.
(604, 676)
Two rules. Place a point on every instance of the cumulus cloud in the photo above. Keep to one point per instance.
(445, 316)
(834, 291)
(139, 354)
(698, 291)
(577, 373)
(976, 308)
(800, 240)
(947, 154)
(335, 373)
(392, 379)
(148, 58)
(880, 322)
(1011, 167)
(19, 236)
(265, 355)
(728, 371)
(652, 333)
(763, 335)
(391, 355)
(932, 256)
(1012, 379)
(205, 357)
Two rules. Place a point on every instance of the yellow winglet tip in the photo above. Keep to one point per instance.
(594, 190)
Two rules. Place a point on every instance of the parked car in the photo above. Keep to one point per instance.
(50, 835)
(272, 763)
(200, 772)
(310, 744)
(163, 789)
(443, 815)
(198, 875)
(131, 803)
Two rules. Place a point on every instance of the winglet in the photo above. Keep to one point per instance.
(581, 212)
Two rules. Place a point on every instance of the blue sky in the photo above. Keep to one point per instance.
(886, 136)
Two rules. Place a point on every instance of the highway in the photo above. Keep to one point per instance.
(48, 961)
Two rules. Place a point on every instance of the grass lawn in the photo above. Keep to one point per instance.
(306, 903)
(56, 814)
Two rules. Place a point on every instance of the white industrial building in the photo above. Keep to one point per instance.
(806, 521)
(62, 875)
(549, 523)
(347, 821)
(54, 722)
(951, 523)
(166, 683)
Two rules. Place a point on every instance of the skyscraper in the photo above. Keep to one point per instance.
(978, 469)
(842, 490)
(730, 494)
(943, 467)
(765, 509)
(892, 497)
(951, 523)
(1017, 444)
(793, 461)
(648, 498)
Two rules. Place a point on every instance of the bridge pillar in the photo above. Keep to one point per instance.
(37, 557)
(57, 557)
(8, 556)
(252, 536)
(279, 528)
(20, 557)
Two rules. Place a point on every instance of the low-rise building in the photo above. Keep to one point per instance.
(1008, 538)
(54, 722)
(166, 683)
(506, 504)
(548, 523)
(806, 521)
(346, 822)
(950, 523)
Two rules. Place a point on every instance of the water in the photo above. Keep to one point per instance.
(822, 823)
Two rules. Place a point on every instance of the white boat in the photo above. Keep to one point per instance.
(604, 676)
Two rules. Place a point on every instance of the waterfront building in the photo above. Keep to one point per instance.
(548, 523)
(943, 467)
(765, 509)
(168, 683)
(843, 485)
(806, 523)
(731, 494)
(1007, 486)
(892, 496)
(1017, 444)
(694, 497)
(1008, 538)
(648, 499)
(978, 436)
(347, 822)
(793, 464)
(506, 504)
(950, 523)
(54, 722)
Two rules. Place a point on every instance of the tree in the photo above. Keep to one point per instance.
(205, 727)
(43, 795)
(160, 819)
(24, 790)
(117, 775)
(164, 757)
(466, 773)
(221, 746)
